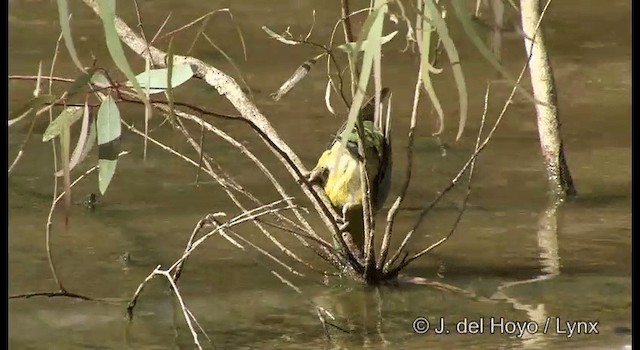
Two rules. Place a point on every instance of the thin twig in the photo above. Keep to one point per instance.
(178, 270)
(175, 31)
(246, 216)
(466, 197)
(393, 211)
(52, 266)
(466, 166)
(166, 20)
(348, 37)
(226, 86)
(183, 306)
(60, 293)
(224, 184)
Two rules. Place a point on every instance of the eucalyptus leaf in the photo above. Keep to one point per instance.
(351, 47)
(471, 29)
(157, 80)
(82, 139)
(372, 32)
(63, 17)
(108, 15)
(454, 58)
(90, 142)
(65, 119)
(80, 82)
(425, 55)
(106, 169)
(98, 79)
(108, 123)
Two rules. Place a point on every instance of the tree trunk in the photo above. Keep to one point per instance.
(547, 108)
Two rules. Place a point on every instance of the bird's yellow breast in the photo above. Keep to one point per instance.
(342, 185)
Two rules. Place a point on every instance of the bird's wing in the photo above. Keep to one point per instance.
(367, 112)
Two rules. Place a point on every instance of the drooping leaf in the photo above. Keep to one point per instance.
(91, 141)
(66, 118)
(65, 147)
(351, 47)
(107, 168)
(454, 58)
(425, 56)
(470, 28)
(29, 107)
(372, 33)
(327, 97)
(157, 79)
(80, 82)
(108, 16)
(108, 154)
(63, 17)
(82, 139)
(108, 122)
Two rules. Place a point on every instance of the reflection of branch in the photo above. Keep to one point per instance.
(444, 287)
(548, 244)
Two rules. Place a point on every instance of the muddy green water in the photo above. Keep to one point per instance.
(501, 250)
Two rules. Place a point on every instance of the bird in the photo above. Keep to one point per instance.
(338, 171)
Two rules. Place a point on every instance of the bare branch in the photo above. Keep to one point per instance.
(227, 87)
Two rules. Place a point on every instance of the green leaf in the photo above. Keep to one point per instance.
(372, 32)
(63, 16)
(470, 28)
(65, 147)
(425, 46)
(108, 124)
(98, 79)
(65, 119)
(454, 58)
(351, 47)
(108, 16)
(157, 80)
(91, 141)
(107, 168)
(80, 82)
(29, 106)
(85, 132)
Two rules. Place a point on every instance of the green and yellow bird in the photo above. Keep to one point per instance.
(338, 170)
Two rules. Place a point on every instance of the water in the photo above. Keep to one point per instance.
(501, 252)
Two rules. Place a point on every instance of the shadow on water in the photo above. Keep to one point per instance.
(523, 259)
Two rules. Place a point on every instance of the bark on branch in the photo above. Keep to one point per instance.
(227, 86)
(544, 91)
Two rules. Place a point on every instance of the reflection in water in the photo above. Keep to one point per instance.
(150, 209)
(550, 260)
